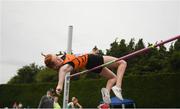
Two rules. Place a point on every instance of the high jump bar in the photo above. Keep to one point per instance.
(128, 55)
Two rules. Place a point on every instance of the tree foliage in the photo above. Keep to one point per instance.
(157, 60)
(26, 74)
(47, 75)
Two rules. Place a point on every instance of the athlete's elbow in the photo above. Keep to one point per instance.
(63, 69)
(122, 62)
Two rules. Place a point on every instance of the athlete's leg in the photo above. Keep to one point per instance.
(111, 81)
(112, 78)
(121, 67)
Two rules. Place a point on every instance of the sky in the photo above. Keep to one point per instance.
(29, 27)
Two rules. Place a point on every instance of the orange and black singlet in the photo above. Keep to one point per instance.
(87, 61)
(78, 62)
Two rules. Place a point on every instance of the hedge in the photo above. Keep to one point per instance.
(162, 90)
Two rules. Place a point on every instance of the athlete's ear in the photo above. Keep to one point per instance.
(43, 54)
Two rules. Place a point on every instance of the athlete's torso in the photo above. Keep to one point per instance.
(78, 62)
(87, 61)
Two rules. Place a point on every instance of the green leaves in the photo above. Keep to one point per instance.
(157, 60)
(47, 75)
(33, 73)
(26, 74)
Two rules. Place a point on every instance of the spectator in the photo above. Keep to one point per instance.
(95, 50)
(47, 100)
(56, 104)
(20, 106)
(74, 103)
(15, 105)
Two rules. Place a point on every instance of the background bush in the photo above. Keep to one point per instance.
(157, 90)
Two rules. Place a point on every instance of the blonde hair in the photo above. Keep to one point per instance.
(74, 98)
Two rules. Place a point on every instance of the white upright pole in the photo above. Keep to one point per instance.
(67, 77)
(69, 44)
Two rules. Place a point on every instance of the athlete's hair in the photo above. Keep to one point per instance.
(48, 60)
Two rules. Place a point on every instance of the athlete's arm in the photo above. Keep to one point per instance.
(62, 72)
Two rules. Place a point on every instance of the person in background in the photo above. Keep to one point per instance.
(56, 104)
(47, 101)
(20, 106)
(15, 105)
(95, 50)
(74, 104)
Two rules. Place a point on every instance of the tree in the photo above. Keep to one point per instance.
(26, 74)
(47, 75)
(174, 59)
(131, 45)
(123, 50)
(177, 45)
(139, 45)
(117, 49)
(138, 61)
(113, 49)
(171, 48)
(131, 62)
(174, 62)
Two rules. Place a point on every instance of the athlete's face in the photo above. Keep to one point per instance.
(57, 61)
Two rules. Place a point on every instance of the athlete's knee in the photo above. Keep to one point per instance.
(122, 62)
(114, 79)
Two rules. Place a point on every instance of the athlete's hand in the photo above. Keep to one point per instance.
(58, 90)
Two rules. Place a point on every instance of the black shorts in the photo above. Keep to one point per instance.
(93, 61)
